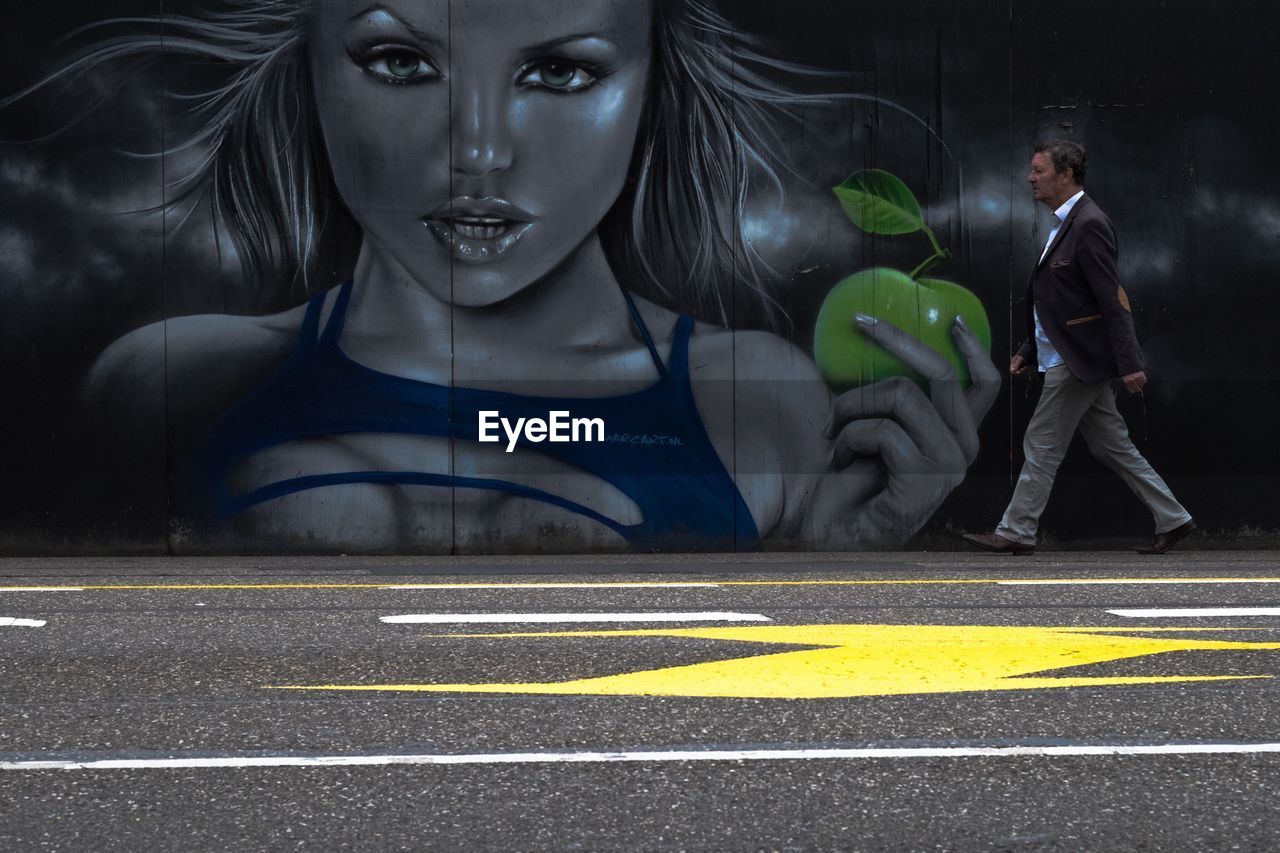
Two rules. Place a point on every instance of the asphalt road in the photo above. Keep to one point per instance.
(905, 702)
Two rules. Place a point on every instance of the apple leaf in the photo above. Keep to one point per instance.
(879, 203)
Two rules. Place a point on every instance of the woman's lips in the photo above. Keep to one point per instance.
(479, 227)
(479, 230)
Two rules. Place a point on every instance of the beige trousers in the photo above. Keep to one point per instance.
(1065, 404)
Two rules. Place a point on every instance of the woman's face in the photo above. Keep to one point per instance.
(480, 142)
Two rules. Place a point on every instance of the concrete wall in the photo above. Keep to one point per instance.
(164, 398)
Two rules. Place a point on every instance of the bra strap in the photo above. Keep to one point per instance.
(271, 491)
(680, 347)
(310, 330)
(338, 316)
(644, 333)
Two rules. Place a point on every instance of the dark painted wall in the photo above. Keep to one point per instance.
(1166, 96)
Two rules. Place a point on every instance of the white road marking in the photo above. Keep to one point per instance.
(1138, 581)
(260, 587)
(41, 589)
(1186, 612)
(652, 756)
(14, 622)
(448, 618)
(523, 586)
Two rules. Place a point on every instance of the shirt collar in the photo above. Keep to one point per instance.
(1063, 212)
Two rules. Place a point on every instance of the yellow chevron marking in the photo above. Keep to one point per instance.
(862, 660)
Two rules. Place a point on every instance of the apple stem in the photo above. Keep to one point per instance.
(941, 255)
(937, 250)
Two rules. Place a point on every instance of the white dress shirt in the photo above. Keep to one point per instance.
(1046, 355)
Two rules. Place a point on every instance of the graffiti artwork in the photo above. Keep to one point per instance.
(480, 276)
(483, 161)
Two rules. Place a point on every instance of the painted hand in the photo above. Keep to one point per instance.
(926, 443)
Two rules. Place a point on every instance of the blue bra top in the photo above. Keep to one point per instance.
(656, 450)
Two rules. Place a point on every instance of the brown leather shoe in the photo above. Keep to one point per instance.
(1164, 541)
(997, 544)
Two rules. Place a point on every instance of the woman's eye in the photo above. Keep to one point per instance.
(558, 76)
(400, 66)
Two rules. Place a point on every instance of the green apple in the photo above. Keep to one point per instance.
(924, 308)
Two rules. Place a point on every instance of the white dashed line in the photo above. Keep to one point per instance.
(12, 622)
(1190, 612)
(448, 618)
(650, 756)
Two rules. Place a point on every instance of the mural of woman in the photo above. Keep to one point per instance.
(516, 170)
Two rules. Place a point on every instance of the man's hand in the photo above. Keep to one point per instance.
(1018, 366)
(1133, 382)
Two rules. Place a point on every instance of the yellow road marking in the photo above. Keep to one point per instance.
(633, 584)
(999, 581)
(862, 660)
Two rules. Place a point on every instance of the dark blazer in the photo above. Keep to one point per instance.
(1084, 310)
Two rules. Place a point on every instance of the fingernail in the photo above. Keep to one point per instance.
(826, 427)
(831, 457)
(961, 323)
(864, 320)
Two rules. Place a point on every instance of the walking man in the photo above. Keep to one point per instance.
(1082, 339)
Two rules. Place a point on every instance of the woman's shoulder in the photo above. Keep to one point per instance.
(197, 363)
(720, 352)
(778, 395)
(761, 398)
(209, 338)
(753, 355)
